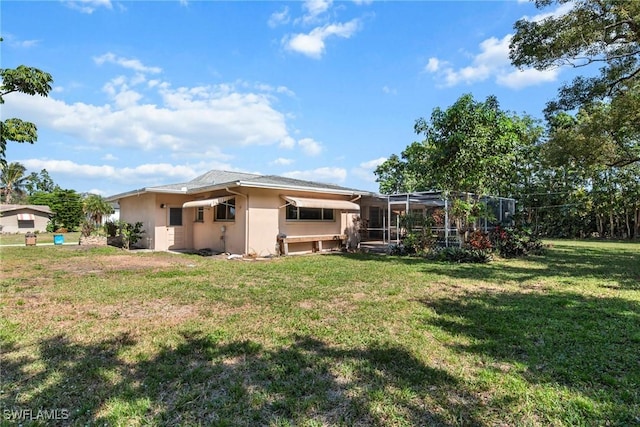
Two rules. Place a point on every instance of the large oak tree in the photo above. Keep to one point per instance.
(604, 33)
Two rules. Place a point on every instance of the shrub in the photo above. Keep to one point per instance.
(466, 255)
(111, 228)
(87, 228)
(479, 240)
(418, 242)
(396, 249)
(123, 234)
(514, 242)
(131, 233)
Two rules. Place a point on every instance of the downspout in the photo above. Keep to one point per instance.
(246, 218)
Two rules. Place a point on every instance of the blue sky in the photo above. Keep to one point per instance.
(150, 93)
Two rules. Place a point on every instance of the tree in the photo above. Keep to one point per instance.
(95, 206)
(604, 32)
(41, 182)
(12, 180)
(471, 147)
(66, 206)
(30, 81)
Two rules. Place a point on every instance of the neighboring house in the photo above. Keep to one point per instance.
(243, 213)
(24, 218)
(114, 217)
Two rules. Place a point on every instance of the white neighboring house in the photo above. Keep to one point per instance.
(115, 216)
(24, 218)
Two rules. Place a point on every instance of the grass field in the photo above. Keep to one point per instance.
(104, 336)
(19, 238)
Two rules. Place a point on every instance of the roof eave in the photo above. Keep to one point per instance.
(145, 190)
(345, 192)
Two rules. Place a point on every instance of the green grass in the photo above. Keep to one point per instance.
(124, 338)
(19, 238)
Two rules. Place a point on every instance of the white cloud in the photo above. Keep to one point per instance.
(310, 147)
(185, 121)
(315, 8)
(365, 170)
(281, 161)
(152, 173)
(561, 10)
(389, 91)
(518, 79)
(372, 164)
(433, 65)
(288, 142)
(13, 41)
(109, 157)
(279, 18)
(285, 91)
(26, 43)
(313, 43)
(324, 174)
(97, 191)
(491, 62)
(132, 64)
(88, 6)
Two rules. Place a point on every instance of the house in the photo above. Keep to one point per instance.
(24, 218)
(243, 213)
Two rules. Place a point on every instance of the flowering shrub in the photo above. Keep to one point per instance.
(515, 242)
(479, 240)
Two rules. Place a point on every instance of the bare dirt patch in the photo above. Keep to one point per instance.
(95, 264)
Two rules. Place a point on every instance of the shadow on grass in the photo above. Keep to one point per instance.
(589, 345)
(201, 382)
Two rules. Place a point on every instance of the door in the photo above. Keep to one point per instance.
(175, 229)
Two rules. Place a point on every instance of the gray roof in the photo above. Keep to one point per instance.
(39, 208)
(217, 179)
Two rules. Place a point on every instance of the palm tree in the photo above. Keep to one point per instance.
(13, 180)
(95, 207)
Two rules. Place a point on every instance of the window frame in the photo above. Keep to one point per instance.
(325, 214)
(229, 207)
(170, 216)
(199, 214)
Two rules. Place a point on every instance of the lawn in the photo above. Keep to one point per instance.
(19, 238)
(104, 336)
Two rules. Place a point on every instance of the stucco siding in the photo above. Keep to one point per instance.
(139, 209)
(10, 224)
(263, 221)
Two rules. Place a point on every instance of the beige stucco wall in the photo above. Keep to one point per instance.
(140, 209)
(260, 216)
(9, 221)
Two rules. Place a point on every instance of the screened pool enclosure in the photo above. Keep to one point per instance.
(388, 218)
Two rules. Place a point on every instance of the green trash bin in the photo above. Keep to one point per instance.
(58, 239)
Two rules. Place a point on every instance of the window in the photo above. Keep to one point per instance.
(308, 214)
(199, 214)
(226, 211)
(175, 216)
(28, 223)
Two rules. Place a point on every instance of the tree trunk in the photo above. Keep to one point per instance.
(599, 225)
(611, 225)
